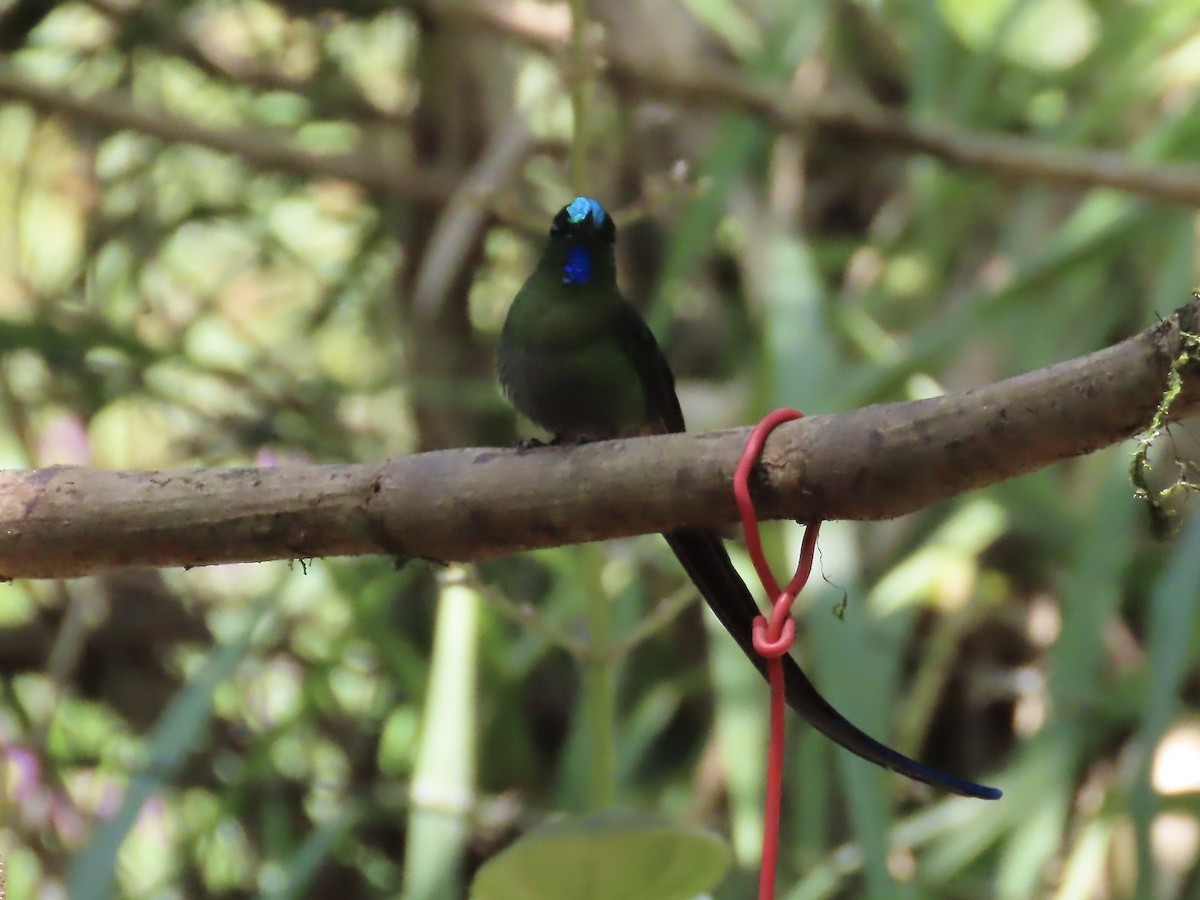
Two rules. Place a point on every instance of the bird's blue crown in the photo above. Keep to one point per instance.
(578, 209)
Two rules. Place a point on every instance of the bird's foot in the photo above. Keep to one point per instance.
(559, 440)
(573, 440)
(528, 443)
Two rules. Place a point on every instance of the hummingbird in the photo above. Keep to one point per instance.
(580, 362)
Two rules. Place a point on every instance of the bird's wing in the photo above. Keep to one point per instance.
(658, 382)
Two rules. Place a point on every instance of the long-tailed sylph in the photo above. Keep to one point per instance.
(579, 361)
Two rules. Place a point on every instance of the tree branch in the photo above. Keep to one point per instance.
(255, 147)
(469, 504)
(1001, 155)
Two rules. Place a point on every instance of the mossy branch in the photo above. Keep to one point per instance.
(1160, 515)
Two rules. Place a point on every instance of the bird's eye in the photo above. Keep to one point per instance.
(559, 226)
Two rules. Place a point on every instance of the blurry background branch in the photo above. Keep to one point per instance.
(706, 85)
(256, 148)
(472, 504)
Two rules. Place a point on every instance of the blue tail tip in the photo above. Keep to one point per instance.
(968, 788)
(960, 786)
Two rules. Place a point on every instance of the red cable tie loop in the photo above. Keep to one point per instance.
(808, 550)
(773, 647)
(772, 638)
(741, 490)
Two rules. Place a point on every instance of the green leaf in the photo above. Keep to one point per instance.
(178, 733)
(610, 856)
(1047, 35)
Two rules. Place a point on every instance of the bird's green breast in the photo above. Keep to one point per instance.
(564, 364)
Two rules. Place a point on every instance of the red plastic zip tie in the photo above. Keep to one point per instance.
(773, 638)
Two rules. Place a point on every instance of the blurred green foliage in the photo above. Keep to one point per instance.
(341, 728)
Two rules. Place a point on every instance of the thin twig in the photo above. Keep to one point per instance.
(464, 216)
(579, 81)
(521, 613)
(657, 620)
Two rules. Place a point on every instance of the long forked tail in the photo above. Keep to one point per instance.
(708, 565)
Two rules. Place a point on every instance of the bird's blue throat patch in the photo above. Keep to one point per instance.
(579, 208)
(578, 268)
